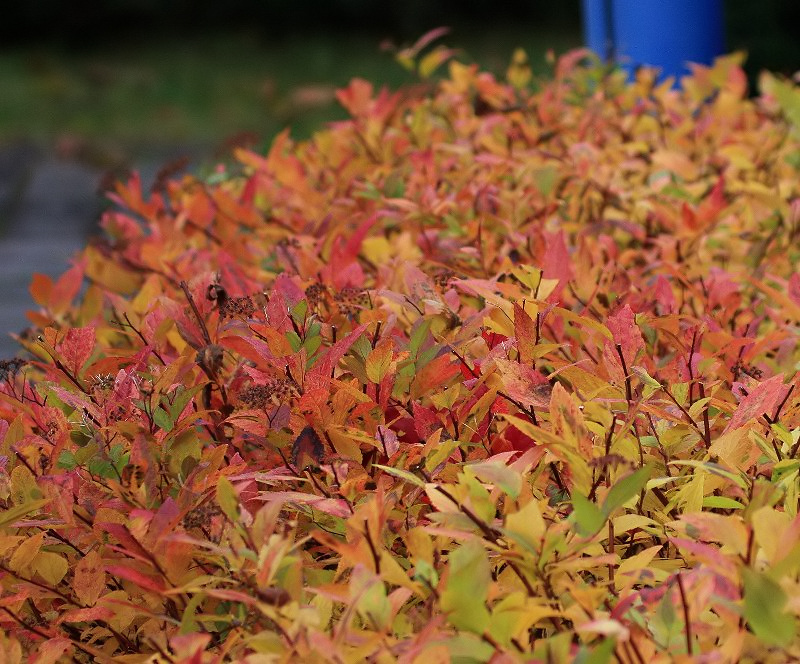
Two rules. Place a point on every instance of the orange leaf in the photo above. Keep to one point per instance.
(90, 578)
(433, 374)
(41, 288)
(525, 332)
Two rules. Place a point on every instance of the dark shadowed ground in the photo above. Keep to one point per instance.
(49, 206)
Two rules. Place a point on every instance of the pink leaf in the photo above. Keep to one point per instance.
(763, 399)
(151, 583)
(794, 287)
(627, 336)
(557, 263)
(332, 506)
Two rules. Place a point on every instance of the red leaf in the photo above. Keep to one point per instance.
(76, 348)
(86, 615)
(124, 536)
(425, 421)
(50, 651)
(665, 298)
(332, 506)
(278, 312)
(709, 209)
(250, 348)
(41, 288)
(164, 522)
(524, 384)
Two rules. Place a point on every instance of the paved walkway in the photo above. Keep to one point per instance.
(48, 209)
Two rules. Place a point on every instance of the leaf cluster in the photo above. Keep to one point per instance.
(492, 371)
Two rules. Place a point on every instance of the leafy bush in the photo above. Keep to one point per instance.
(490, 371)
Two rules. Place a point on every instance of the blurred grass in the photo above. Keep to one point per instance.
(201, 90)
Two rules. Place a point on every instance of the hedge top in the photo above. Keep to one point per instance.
(491, 371)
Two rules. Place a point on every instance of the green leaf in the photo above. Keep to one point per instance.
(404, 475)
(764, 602)
(101, 467)
(67, 460)
(722, 502)
(418, 334)
(625, 489)
(498, 474)
(600, 654)
(588, 518)
(162, 419)
(299, 312)
(16, 513)
(181, 398)
(294, 341)
(227, 499)
(464, 598)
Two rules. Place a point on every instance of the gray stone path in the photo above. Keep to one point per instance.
(48, 209)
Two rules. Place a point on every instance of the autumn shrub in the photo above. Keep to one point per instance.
(493, 371)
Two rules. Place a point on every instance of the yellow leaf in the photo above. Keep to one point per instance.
(118, 601)
(15, 432)
(377, 250)
(345, 445)
(769, 525)
(527, 525)
(379, 361)
(589, 384)
(26, 552)
(24, 488)
(583, 321)
(690, 496)
(50, 566)
(228, 499)
(519, 71)
(110, 274)
(735, 449)
(631, 569)
(16, 513)
(433, 60)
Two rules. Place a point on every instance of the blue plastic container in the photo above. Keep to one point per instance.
(661, 33)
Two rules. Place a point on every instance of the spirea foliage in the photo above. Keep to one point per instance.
(493, 371)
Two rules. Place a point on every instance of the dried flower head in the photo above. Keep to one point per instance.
(276, 392)
(316, 293)
(237, 307)
(10, 367)
(350, 300)
(200, 516)
(102, 383)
